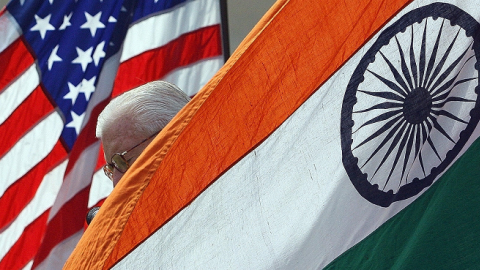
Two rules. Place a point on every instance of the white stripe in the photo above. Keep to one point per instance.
(159, 30)
(9, 30)
(60, 253)
(30, 150)
(16, 93)
(286, 205)
(100, 189)
(77, 179)
(28, 266)
(43, 200)
(192, 78)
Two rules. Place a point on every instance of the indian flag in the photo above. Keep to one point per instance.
(339, 135)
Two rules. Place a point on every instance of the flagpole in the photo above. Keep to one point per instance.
(224, 25)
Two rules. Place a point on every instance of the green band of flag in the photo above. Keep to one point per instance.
(440, 230)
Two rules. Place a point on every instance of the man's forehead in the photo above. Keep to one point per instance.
(118, 137)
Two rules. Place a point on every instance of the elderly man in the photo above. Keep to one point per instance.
(130, 122)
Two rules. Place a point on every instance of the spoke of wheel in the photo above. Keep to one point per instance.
(449, 83)
(408, 150)
(417, 142)
(390, 84)
(384, 105)
(451, 99)
(397, 137)
(396, 74)
(413, 63)
(447, 72)
(379, 118)
(442, 61)
(405, 136)
(424, 139)
(449, 115)
(422, 54)
(384, 141)
(385, 95)
(441, 97)
(431, 62)
(405, 71)
(430, 142)
(439, 128)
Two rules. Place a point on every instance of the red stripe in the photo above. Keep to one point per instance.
(31, 111)
(13, 61)
(101, 159)
(27, 245)
(68, 221)
(155, 64)
(18, 195)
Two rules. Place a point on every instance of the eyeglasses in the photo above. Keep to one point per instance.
(119, 161)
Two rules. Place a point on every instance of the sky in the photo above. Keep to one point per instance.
(242, 17)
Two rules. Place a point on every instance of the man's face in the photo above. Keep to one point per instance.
(114, 144)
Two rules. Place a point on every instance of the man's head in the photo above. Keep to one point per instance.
(131, 121)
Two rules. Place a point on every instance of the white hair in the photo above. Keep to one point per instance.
(149, 108)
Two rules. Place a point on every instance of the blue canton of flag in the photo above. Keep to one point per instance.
(71, 40)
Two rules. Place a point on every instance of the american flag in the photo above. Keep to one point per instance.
(60, 64)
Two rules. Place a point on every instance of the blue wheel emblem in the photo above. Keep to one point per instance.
(412, 103)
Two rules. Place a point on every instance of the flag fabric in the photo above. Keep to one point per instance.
(60, 64)
(339, 135)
